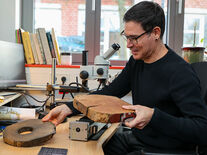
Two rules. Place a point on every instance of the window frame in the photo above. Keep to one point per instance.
(174, 27)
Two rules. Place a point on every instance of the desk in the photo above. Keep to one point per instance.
(61, 140)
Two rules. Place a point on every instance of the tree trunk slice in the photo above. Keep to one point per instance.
(40, 132)
(102, 108)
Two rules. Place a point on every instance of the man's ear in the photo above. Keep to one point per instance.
(156, 32)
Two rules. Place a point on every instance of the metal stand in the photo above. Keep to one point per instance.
(53, 79)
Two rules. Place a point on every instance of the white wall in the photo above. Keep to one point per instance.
(42, 76)
(10, 18)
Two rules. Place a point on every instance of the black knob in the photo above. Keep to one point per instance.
(63, 79)
(77, 129)
(100, 71)
(84, 74)
(115, 46)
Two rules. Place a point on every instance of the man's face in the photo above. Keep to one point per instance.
(141, 48)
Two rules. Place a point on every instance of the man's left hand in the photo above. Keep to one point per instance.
(143, 116)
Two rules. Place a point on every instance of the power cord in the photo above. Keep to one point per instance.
(40, 108)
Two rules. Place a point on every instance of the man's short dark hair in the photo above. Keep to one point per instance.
(148, 14)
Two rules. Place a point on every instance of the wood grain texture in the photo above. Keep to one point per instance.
(39, 133)
(101, 108)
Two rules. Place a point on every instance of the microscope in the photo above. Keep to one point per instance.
(97, 71)
(100, 68)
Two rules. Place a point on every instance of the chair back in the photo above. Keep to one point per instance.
(201, 70)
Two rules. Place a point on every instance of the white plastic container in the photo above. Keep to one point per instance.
(66, 59)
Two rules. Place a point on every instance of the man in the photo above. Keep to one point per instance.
(170, 112)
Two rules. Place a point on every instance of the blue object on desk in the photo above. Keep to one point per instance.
(1, 130)
(7, 122)
(2, 127)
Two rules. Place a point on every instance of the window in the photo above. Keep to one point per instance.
(68, 20)
(195, 21)
(43, 14)
(112, 24)
(94, 25)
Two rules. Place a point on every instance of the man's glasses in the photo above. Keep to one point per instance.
(133, 39)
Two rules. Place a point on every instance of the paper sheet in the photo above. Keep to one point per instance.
(11, 113)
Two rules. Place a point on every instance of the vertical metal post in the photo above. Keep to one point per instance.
(53, 79)
(53, 71)
(85, 63)
(85, 58)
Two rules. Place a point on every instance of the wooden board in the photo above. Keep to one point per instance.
(102, 108)
(38, 133)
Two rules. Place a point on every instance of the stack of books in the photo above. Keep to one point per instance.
(39, 47)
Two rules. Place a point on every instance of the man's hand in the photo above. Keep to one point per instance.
(143, 116)
(58, 114)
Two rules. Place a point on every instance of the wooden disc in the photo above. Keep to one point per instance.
(102, 108)
(39, 132)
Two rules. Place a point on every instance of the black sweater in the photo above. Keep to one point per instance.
(171, 87)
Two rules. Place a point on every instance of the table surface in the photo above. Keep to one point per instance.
(61, 140)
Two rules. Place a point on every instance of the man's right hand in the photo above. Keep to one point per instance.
(58, 114)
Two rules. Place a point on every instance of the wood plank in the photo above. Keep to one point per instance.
(102, 108)
(38, 132)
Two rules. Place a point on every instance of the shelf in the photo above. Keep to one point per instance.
(9, 99)
(49, 66)
(67, 66)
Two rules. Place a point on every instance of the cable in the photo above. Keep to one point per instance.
(26, 99)
(40, 107)
(78, 84)
(98, 86)
(71, 95)
(32, 97)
